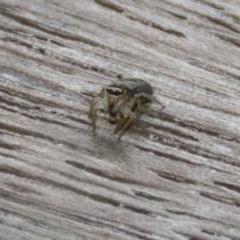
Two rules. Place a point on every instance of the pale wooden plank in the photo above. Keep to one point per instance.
(174, 176)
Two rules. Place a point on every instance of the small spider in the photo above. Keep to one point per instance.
(123, 101)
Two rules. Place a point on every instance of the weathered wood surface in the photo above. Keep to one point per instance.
(175, 175)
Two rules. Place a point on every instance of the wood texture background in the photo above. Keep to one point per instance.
(175, 175)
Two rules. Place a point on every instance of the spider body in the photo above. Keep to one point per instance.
(123, 101)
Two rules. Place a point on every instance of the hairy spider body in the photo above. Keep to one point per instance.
(123, 101)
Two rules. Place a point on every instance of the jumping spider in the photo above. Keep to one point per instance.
(123, 100)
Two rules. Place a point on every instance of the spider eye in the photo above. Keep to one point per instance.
(114, 92)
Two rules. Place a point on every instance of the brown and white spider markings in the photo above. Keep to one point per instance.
(123, 100)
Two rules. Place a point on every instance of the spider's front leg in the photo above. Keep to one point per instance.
(133, 114)
(98, 103)
(94, 106)
(128, 118)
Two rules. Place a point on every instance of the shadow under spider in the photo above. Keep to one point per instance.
(110, 148)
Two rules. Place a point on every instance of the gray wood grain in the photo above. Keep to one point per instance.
(173, 176)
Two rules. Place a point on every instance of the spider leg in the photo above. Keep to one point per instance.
(120, 124)
(96, 104)
(130, 117)
(127, 124)
(151, 98)
(136, 107)
(124, 123)
(133, 113)
(139, 108)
